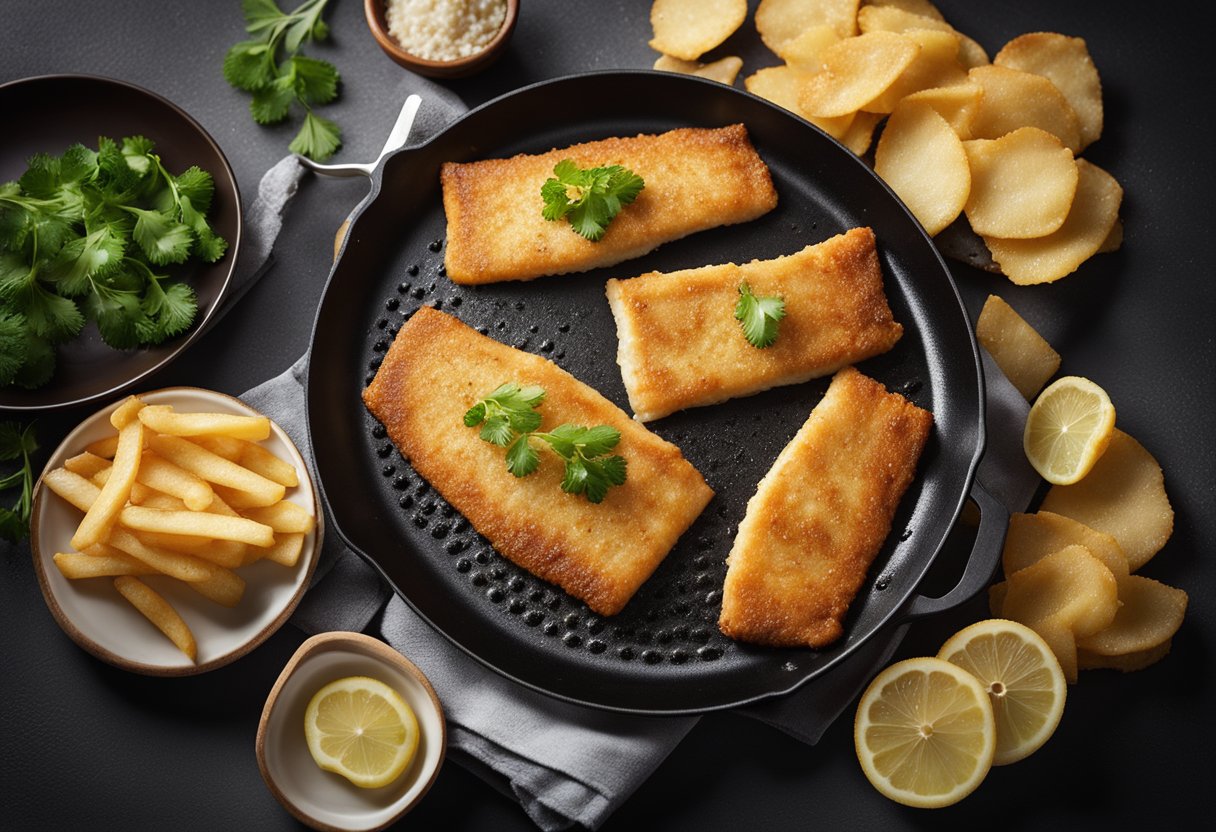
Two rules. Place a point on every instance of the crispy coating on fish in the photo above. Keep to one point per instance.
(696, 178)
(680, 346)
(821, 515)
(601, 553)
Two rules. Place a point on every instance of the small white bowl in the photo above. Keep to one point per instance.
(322, 799)
(93, 614)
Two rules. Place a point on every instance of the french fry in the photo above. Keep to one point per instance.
(261, 461)
(239, 500)
(163, 475)
(104, 448)
(159, 611)
(201, 523)
(86, 464)
(165, 420)
(178, 565)
(188, 543)
(285, 551)
(102, 513)
(159, 501)
(224, 587)
(122, 415)
(72, 487)
(76, 566)
(225, 446)
(283, 516)
(217, 470)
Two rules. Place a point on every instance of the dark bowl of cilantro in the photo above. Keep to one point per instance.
(120, 222)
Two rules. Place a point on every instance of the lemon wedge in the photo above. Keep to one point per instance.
(1068, 429)
(924, 733)
(1023, 679)
(362, 729)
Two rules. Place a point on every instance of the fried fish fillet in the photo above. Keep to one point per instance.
(437, 368)
(679, 344)
(821, 514)
(696, 178)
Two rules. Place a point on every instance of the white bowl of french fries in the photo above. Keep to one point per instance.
(175, 531)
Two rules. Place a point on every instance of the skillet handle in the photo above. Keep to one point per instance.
(985, 554)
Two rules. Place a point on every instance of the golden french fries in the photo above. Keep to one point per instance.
(192, 509)
(159, 611)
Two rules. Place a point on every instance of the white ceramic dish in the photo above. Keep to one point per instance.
(322, 799)
(92, 613)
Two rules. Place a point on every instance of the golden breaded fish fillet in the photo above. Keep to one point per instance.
(679, 344)
(696, 178)
(437, 368)
(821, 514)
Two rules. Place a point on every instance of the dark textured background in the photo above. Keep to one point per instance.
(83, 745)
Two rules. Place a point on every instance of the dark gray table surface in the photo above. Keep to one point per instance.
(83, 745)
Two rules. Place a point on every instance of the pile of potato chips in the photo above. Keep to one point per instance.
(994, 142)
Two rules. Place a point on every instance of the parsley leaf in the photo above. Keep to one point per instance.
(254, 66)
(759, 316)
(17, 443)
(589, 198)
(508, 418)
(12, 344)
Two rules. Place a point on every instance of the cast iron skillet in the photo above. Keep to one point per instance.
(663, 654)
(48, 113)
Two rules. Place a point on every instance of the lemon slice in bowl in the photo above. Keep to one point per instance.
(362, 729)
(924, 733)
(1068, 429)
(1023, 679)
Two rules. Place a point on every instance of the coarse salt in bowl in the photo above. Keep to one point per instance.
(442, 38)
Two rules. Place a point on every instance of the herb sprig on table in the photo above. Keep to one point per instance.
(87, 235)
(589, 198)
(17, 443)
(508, 418)
(254, 66)
(759, 316)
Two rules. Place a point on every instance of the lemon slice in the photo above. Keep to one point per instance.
(924, 733)
(1068, 429)
(362, 729)
(1023, 679)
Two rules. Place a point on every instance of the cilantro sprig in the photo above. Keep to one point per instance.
(254, 66)
(589, 198)
(88, 235)
(17, 442)
(759, 316)
(509, 419)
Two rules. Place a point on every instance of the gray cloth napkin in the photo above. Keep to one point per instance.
(564, 763)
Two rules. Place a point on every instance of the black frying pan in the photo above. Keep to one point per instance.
(663, 653)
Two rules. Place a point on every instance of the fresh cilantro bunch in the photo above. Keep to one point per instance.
(254, 66)
(598, 196)
(86, 235)
(17, 442)
(508, 418)
(759, 316)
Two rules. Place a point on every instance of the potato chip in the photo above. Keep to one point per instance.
(957, 104)
(923, 161)
(724, 70)
(779, 21)
(1066, 595)
(921, 7)
(805, 52)
(1032, 537)
(687, 29)
(936, 65)
(861, 132)
(1014, 99)
(1066, 63)
(996, 599)
(891, 18)
(856, 71)
(1090, 220)
(782, 85)
(1022, 185)
(1025, 358)
(1129, 663)
(1149, 615)
(1124, 496)
(1114, 240)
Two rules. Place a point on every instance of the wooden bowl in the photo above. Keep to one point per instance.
(373, 10)
(322, 799)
